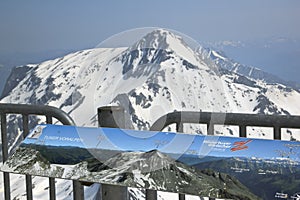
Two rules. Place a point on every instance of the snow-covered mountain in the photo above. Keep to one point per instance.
(223, 61)
(158, 74)
(277, 55)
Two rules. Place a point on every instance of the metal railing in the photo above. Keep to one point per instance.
(26, 111)
(236, 119)
(114, 117)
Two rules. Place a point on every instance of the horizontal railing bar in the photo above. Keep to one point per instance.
(238, 119)
(24, 109)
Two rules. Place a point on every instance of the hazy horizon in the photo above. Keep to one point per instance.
(35, 31)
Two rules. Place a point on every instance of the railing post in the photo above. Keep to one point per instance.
(78, 193)
(179, 127)
(6, 181)
(210, 129)
(27, 177)
(52, 193)
(112, 117)
(277, 133)
(243, 131)
(181, 197)
(4, 137)
(151, 194)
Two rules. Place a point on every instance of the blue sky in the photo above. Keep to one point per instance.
(39, 25)
(31, 27)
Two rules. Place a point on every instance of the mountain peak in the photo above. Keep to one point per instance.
(153, 49)
(160, 39)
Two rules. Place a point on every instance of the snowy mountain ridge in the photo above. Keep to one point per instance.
(221, 60)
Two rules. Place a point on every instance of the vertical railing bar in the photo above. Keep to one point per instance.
(27, 177)
(179, 127)
(243, 131)
(210, 129)
(49, 119)
(25, 125)
(4, 137)
(29, 187)
(151, 194)
(52, 192)
(78, 192)
(277, 133)
(6, 179)
(181, 197)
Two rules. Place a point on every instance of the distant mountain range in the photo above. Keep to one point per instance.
(276, 55)
(223, 61)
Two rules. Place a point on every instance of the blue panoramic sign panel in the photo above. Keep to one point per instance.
(211, 166)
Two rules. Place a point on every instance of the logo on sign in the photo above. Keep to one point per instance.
(241, 145)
